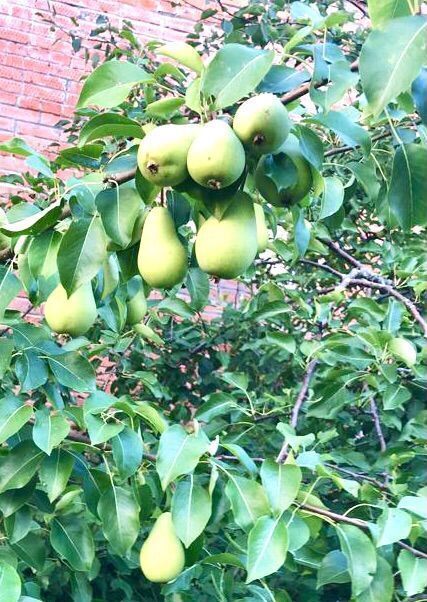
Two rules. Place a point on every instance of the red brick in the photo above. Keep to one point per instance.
(20, 114)
(43, 93)
(39, 131)
(7, 98)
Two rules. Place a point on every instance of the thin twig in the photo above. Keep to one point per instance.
(297, 407)
(377, 423)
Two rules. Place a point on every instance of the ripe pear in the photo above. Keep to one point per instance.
(216, 157)
(262, 124)
(162, 259)
(162, 154)
(284, 195)
(136, 307)
(226, 248)
(261, 228)
(162, 554)
(72, 315)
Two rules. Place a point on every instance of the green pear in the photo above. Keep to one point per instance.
(162, 555)
(72, 315)
(162, 259)
(279, 163)
(136, 308)
(262, 124)
(162, 154)
(261, 228)
(226, 248)
(216, 157)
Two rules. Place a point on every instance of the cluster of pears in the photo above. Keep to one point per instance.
(209, 162)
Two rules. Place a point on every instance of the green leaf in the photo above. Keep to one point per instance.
(175, 307)
(333, 196)
(284, 341)
(6, 350)
(419, 94)
(382, 11)
(334, 569)
(234, 72)
(151, 416)
(119, 208)
(164, 108)
(281, 483)
(119, 514)
(394, 396)
(55, 471)
(110, 84)
(179, 453)
(81, 253)
(402, 46)
(242, 455)
(416, 505)
(267, 547)
(31, 371)
(197, 283)
(35, 223)
(87, 156)
(408, 187)
(32, 550)
(127, 452)
(109, 124)
(413, 572)
(381, 587)
(50, 429)
(101, 431)
(12, 500)
(18, 524)
(10, 583)
(72, 539)
(191, 510)
(392, 525)
(19, 465)
(74, 371)
(360, 554)
(183, 53)
(13, 415)
(9, 288)
(330, 65)
(216, 405)
(248, 500)
(350, 133)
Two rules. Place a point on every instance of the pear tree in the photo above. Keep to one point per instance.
(217, 390)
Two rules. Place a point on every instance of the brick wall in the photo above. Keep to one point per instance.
(39, 73)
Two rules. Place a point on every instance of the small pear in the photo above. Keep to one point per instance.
(162, 555)
(72, 315)
(262, 124)
(284, 196)
(162, 259)
(162, 154)
(216, 157)
(136, 307)
(226, 248)
(261, 228)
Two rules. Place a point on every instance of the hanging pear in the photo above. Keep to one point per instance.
(272, 171)
(162, 554)
(226, 248)
(72, 315)
(261, 228)
(162, 259)
(262, 124)
(216, 157)
(162, 154)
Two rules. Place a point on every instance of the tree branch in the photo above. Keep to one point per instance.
(357, 522)
(297, 407)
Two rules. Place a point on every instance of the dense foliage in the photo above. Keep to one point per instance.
(284, 430)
